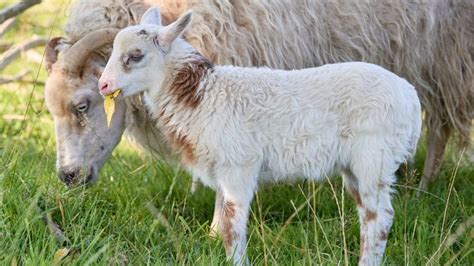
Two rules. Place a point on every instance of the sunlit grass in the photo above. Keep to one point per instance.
(141, 211)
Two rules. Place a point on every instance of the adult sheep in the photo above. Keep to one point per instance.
(430, 43)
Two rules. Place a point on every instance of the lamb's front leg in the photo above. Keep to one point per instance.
(217, 218)
(237, 187)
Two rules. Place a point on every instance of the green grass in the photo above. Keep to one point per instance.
(141, 211)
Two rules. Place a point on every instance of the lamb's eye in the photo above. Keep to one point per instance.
(82, 107)
(136, 57)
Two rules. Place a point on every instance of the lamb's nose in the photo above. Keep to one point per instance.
(103, 86)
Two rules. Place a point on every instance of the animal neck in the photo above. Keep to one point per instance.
(183, 82)
(143, 131)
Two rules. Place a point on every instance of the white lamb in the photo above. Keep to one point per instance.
(237, 127)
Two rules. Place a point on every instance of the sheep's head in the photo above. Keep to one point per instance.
(141, 53)
(83, 140)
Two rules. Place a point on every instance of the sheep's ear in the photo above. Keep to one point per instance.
(151, 16)
(176, 28)
(51, 53)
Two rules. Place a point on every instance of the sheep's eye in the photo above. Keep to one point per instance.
(82, 107)
(135, 57)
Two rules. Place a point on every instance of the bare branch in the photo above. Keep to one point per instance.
(6, 25)
(5, 46)
(16, 9)
(14, 52)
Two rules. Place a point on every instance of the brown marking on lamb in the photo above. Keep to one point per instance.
(178, 141)
(165, 119)
(355, 195)
(182, 144)
(187, 150)
(370, 216)
(185, 82)
(228, 235)
(383, 236)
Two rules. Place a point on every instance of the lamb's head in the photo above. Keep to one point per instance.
(83, 140)
(141, 54)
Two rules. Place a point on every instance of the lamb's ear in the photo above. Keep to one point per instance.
(176, 28)
(151, 16)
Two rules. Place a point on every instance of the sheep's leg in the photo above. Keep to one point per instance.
(216, 220)
(369, 185)
(437, 140)
(237, 187)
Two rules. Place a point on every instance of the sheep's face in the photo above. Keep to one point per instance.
(141, 53)
(83, 140)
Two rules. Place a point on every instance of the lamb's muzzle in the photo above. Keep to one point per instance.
(251, 125)
(106, 87)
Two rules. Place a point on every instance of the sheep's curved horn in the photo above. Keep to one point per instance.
(77, 55)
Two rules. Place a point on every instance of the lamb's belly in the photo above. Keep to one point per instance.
(204, 175)
(285, 176)
(301, 165)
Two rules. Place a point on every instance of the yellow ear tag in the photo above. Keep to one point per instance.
(109, 105)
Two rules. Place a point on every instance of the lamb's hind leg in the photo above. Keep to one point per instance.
(372, 195)
(437, 140)
(353, 190)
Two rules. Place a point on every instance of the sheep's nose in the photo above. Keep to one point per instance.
(71, 178)
(68, 177)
